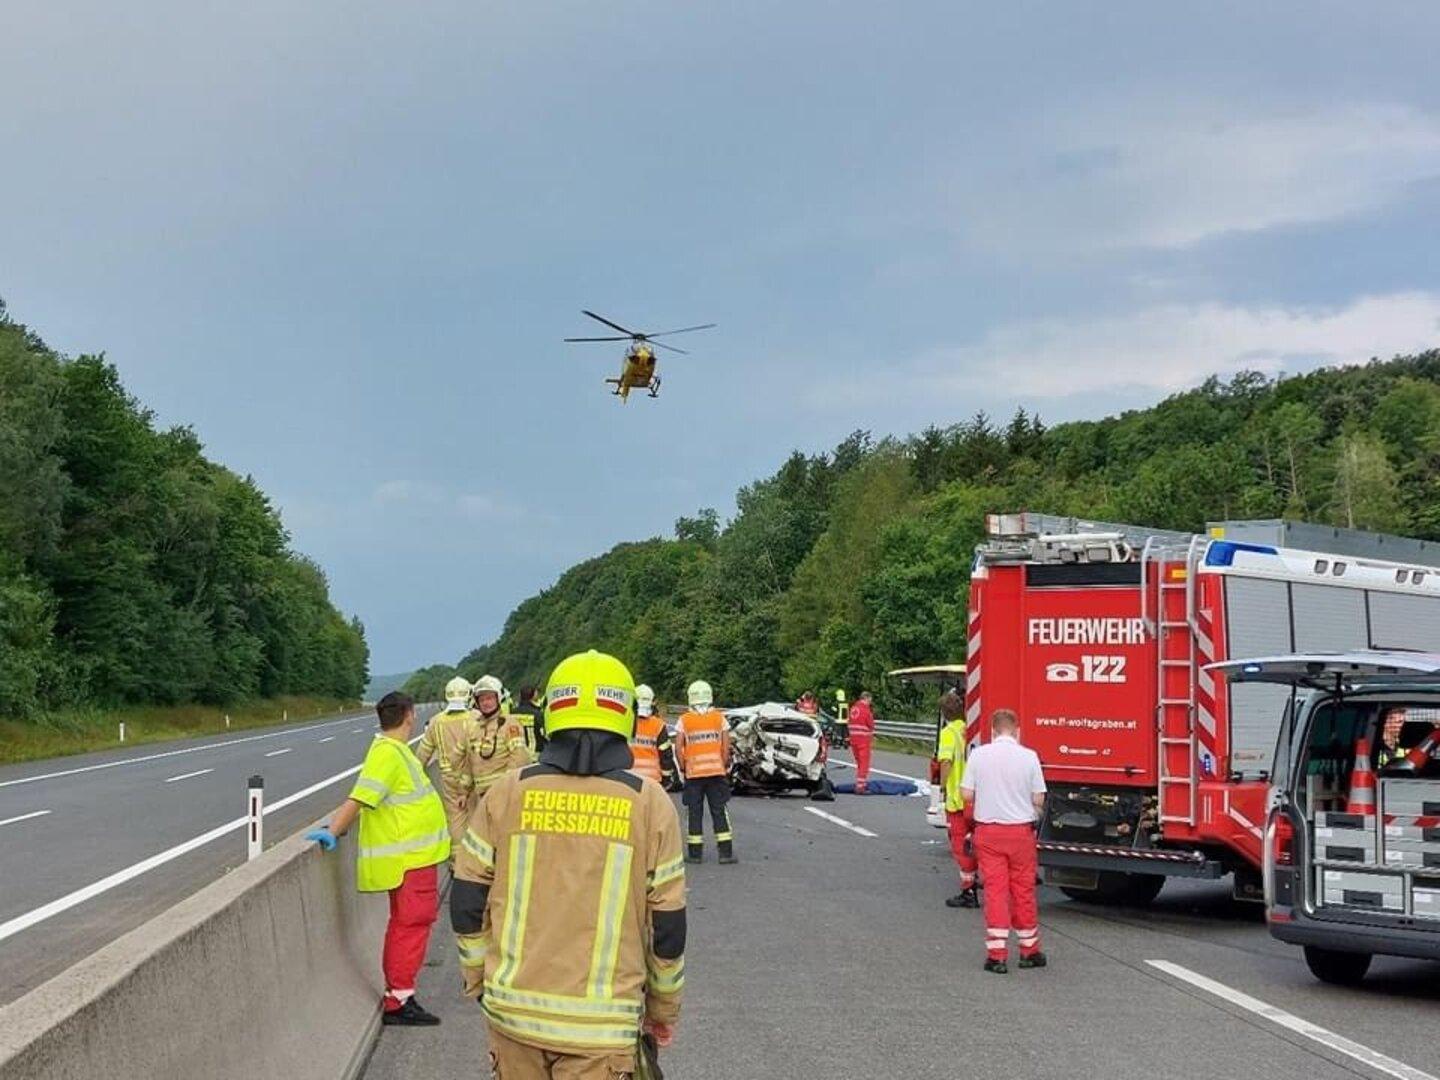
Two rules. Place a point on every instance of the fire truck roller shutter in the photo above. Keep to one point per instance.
(1329, 618)
(1257, 624)
(1398, 621)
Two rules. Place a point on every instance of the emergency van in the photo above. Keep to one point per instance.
(1352, 840)
(1101, 637)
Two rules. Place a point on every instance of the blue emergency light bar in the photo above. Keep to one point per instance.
(1222, 552)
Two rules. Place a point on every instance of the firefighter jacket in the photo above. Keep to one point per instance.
(447, 740)
(569, 908)
(497, 745)
(651, 747)
(702, 744)
(402, 823)
(952, 749)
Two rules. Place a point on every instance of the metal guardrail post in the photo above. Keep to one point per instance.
(255, 827)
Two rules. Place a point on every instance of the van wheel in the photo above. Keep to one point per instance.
(1338, 968)
(1124, 890)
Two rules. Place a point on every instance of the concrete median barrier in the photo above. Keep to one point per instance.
(273, 971)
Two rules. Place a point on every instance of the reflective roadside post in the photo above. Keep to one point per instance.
(256, 825)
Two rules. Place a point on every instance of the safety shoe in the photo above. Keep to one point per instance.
(411, 1014)
(996, 967)
(966, 898)
(1035, 959)
(727, 858)
(694, 857)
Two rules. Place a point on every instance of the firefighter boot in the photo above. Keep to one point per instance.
(695, 853)
(727, 852)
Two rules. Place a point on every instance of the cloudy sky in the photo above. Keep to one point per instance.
(343, 240)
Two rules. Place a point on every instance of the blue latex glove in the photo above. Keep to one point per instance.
(324, 837)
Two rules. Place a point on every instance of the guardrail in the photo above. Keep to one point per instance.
(896, 729)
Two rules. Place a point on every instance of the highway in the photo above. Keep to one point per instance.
(93, 845)
(829, 952)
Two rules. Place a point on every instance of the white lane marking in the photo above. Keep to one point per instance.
(170, 753)
(840, 821)
(277, 753)
(188, 775)
(327, 738)
(1290, 1022)
(24, 817)
(357, 731)
(144, 866)
(923, 786)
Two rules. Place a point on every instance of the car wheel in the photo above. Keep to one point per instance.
(1335, 967)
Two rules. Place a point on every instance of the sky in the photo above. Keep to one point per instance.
(342, 241)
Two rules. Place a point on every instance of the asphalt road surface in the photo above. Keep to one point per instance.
(828, 953)
(91, 846)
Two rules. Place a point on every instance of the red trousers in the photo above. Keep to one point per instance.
(1007, 863)
(414, 906)
(959, 827)
(860, 746)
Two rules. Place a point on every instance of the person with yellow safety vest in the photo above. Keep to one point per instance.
(569, 897)
(951, 755)
(531, 718)
(497, 744)
(403, 839)
(447, 738)
(651, 747)
(702, 749)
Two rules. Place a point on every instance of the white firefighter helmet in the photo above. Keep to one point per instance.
(488, 684)
(457, 694)
(700, 695)
(644, 700)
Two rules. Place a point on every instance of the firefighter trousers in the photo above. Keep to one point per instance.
(1007, 863)
(414, 906)
(958, 826)
(511, 1060)
(714, 790)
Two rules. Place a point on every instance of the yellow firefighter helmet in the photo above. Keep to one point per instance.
(590, 690)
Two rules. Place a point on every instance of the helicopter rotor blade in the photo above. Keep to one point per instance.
(684, 330)
(672, 348)
(597, 339)
(612, 325)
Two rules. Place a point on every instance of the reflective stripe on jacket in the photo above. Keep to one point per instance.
(702, 744)
(582, 883)
(402, 823)
(651, 737)
(447, 739)
(497, 746)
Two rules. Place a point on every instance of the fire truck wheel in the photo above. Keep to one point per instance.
(1340, 968)
(1124, 890)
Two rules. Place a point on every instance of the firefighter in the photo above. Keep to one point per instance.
(497, 743)
(951, 755)
(447, 738)
(569, 896)
(1004, 791)
(702, 750)
(651, 747)
(531, 719)
(402, 840)
(862, 739)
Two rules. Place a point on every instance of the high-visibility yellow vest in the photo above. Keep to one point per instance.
(402, 825)
(952, 749)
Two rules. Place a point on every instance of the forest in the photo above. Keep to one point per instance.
(135, 571)
(846, 564)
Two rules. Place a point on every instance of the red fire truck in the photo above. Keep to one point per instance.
(1098, 635)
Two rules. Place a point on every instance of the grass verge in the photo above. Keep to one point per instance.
(83, 730)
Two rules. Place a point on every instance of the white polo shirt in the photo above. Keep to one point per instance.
(1004, 775)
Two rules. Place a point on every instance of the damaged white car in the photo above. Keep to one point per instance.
(775, 748)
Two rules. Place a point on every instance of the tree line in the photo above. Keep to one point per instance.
(844, 565)
(133, 570)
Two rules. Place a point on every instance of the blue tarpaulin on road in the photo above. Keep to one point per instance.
(879, 787)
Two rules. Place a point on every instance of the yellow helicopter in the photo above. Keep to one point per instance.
(638, 369)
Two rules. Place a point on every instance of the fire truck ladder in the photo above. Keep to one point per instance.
(1174, 632)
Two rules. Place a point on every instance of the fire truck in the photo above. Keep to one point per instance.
(1099, 636)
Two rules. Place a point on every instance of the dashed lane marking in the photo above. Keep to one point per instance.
(169, 753)
(188, 775)
(24, 817)
(64, 903)
(1290, 1022)
(327, 738)
(277, 753)
(840, 821)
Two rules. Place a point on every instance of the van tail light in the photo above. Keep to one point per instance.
(1282, 841)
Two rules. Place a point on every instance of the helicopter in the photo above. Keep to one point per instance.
(638, 369)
